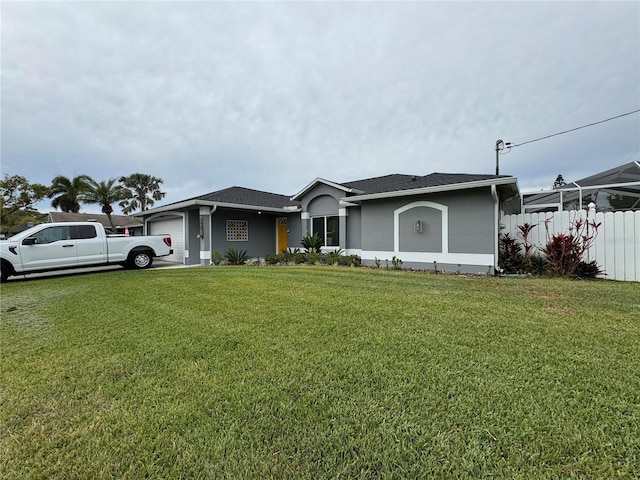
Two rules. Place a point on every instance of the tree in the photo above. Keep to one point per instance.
(559, 182)
(104, 194)
(18, 199)
(144, 191)
(65, 192)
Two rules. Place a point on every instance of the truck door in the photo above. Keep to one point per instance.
(52, 247)
(91, 247)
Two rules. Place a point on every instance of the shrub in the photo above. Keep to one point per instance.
(236, 257)
(314, 258)
(311, 243)
(272, 259)
(333, 257)
(350, 261)
(536, 265)
(587, 269)
(510, 257)
(564, 251)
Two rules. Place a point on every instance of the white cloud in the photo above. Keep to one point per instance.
(270, 95)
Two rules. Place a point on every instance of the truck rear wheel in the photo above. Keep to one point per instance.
(141, 259)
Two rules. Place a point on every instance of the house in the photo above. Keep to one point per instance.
(121, 222)
(450, 219)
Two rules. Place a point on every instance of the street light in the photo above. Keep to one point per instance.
(500, 146)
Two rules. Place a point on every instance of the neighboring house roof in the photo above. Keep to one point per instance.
(118, 220)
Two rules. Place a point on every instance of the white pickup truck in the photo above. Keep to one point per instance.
(54, 246)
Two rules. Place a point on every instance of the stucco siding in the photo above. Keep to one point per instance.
(426, 236)
(469, 216)
(319, 191)
(354, 230)
(261, 232)
(295, 231)
(323, 205)
(193, 242)
(471, 225)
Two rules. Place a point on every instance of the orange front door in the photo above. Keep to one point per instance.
(282, 234)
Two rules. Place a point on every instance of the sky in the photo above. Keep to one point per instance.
(270, 95)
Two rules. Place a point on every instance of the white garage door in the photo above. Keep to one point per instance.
(174, 227)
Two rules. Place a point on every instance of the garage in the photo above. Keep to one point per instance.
(173, 226)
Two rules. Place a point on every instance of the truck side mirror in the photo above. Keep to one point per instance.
(29, 241)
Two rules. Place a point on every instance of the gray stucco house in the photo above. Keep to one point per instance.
(450, 219)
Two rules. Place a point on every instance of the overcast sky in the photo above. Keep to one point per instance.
(270, 95)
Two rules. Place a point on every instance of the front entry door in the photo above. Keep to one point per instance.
(282, 234)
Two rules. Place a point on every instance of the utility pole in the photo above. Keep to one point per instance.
(500, 146)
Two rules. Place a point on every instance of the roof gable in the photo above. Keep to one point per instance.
(322, 181)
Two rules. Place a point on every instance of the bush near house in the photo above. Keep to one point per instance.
(562, 255)
(296, 257)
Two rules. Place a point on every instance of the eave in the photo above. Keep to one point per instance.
(212, 204)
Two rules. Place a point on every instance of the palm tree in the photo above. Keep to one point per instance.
(65, 192)
(145, 190)
(104, 194)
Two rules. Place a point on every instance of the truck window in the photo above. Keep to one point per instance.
(53, 234)
(84, 231)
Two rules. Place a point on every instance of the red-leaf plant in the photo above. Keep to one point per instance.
(565, 251)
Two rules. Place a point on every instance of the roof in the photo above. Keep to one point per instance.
(118, 220)
(247, 196)
(397, 182)
(357, 190)
(401, 183)
(235, 197)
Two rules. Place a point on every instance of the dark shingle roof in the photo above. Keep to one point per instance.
(247, 196)
(398, 182)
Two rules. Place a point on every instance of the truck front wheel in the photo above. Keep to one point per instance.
(141, 259)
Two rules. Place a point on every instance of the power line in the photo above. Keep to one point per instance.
(572, 130)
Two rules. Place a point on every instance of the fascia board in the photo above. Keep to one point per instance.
(437, 189)
(176, 206)
(207, 203)
(240, 206)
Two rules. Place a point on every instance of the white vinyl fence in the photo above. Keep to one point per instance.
(617, 244)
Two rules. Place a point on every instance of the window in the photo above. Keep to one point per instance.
(328, 229)
(52, 234)
(237, 231)
(84, 231)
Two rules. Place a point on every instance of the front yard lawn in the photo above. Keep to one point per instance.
(318, 372)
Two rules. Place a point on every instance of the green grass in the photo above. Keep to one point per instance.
(317, 372)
